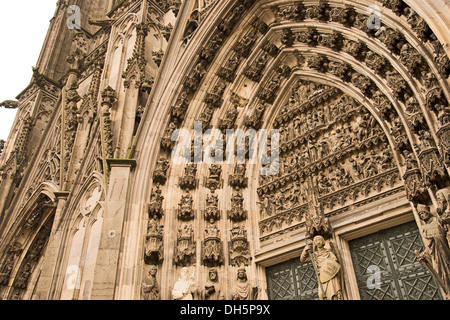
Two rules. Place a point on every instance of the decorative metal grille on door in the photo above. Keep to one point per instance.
(292, 280)
(387, 269)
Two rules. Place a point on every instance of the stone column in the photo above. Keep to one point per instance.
(107, 268)
(44, 288)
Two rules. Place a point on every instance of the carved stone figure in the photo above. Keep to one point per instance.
(155, 206)
(212, 252)
(188, 181)
(150, 286)
(254, 120)
(212, 212)
(242, 289)
(185, 287)
(160, 173)
(238, 179)
(185, 211)
(327, 266)
(436, 256)
(5, 270)
(23, 277)
(239, 247)
(179, 109)
(443, 198)
(212, 288)
(237, 212)
(154, 247)
(214, 180)
(185, 247)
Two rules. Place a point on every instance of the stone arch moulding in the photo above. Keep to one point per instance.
(311, 46)
(87, 207)
(26, 243)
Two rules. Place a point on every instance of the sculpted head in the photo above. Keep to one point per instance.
(242, 274)
(443, 197)
(213, 275)
(424, 212)
(185, 273)
(319, 241)
(153, 270)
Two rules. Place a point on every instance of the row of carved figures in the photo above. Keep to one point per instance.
(185, 250)
(186, 287)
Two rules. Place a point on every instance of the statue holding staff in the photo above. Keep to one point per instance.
(327, 269)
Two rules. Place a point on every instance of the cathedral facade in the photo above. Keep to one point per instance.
(232, 149)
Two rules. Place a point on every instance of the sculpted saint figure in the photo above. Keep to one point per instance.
(436, 256)
(213, 289)
(327, 267)
(242, 289)
(150, 288)
(185, 287)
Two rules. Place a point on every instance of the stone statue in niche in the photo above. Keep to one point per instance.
(238, 179)
(185, 247)
(228, 121)
(243, 48)
(154, 247)
(254, 120)
(6, 270)
(185, 210)
(239, 247)
(167, 142)
(23, 277)
(214, 180)
(212, 254)
(436, 257)
(212, 288)
(150, 286)
(237, 212)
(195, 77)
(188, 182)
(33, 220)
(228, 71)
(185, 288)
(327, 266)
(254, 72)
(160, 173)
(443, 209)
(242, 289)
(180, 108)
(212, 212)
(443, 198)
(214, 98)
(155, 206)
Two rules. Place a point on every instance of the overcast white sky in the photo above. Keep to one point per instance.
(23, 27)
